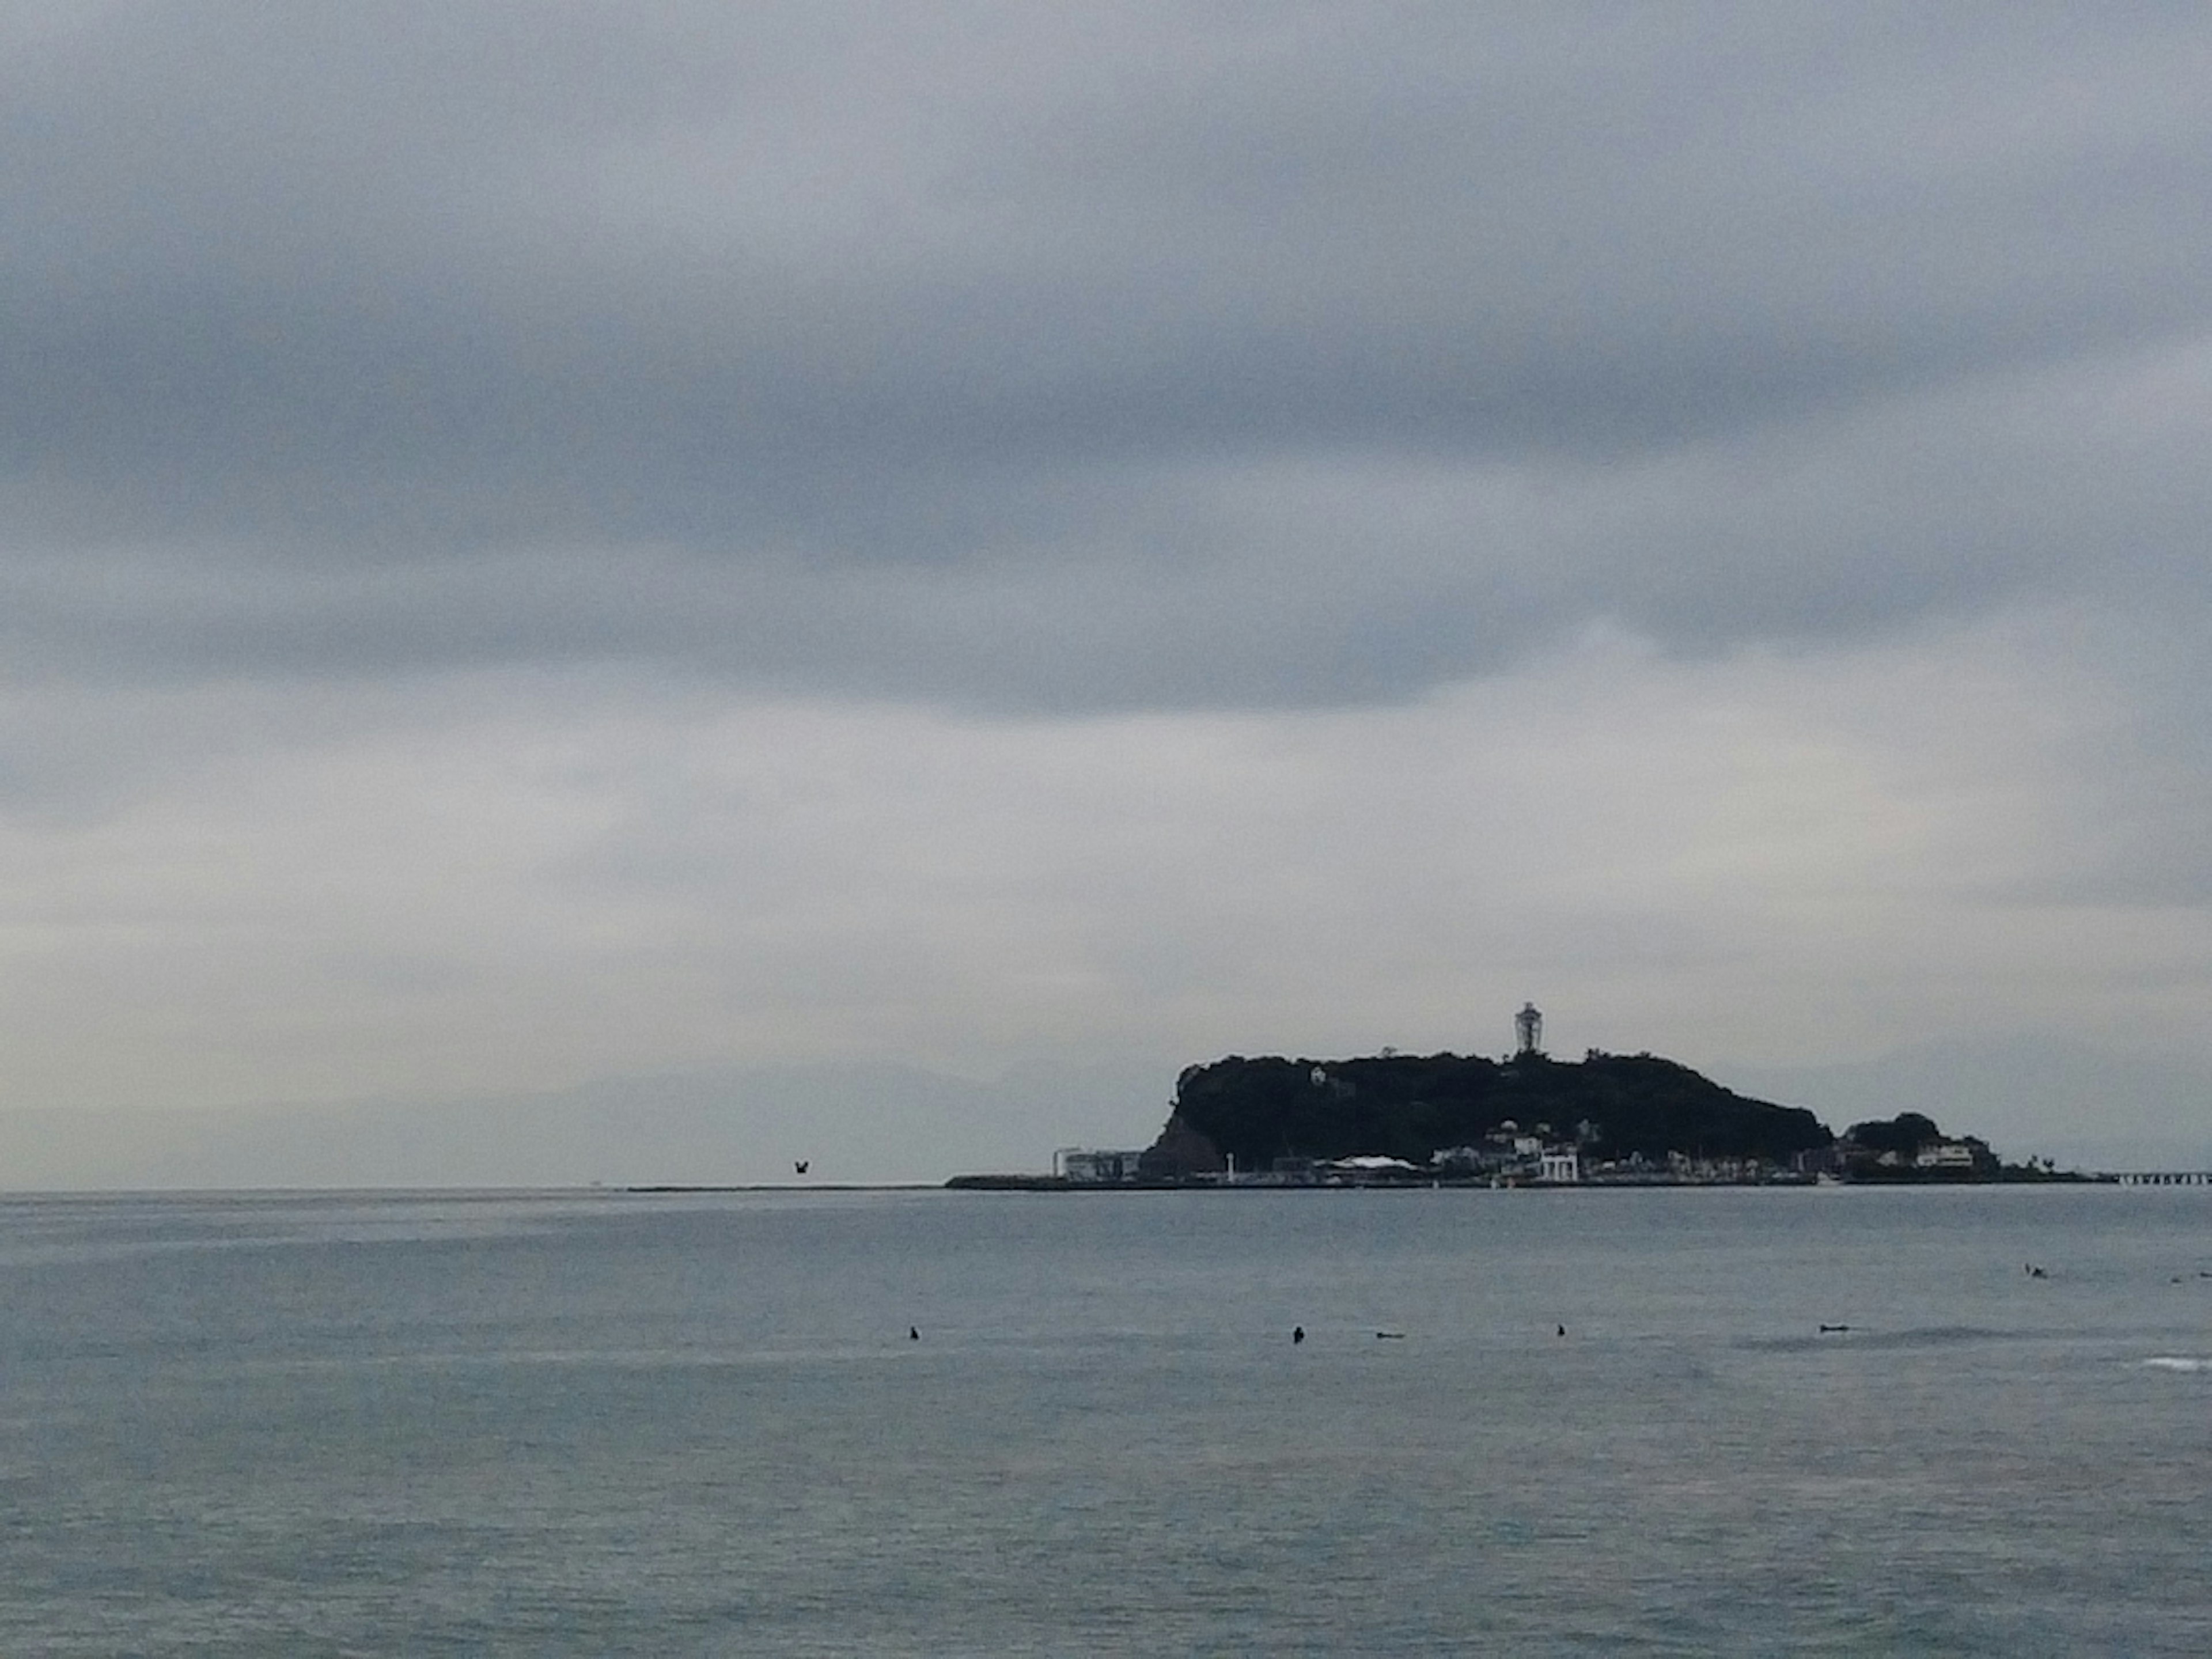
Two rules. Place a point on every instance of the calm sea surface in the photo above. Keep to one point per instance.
(606, 1425)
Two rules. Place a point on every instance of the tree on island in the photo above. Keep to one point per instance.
(1904, 1134)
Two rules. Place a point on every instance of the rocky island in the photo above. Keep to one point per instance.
(1469, 1115)
(1527, 1118)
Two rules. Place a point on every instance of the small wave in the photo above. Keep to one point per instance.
(2168, 1362)
(1861, 1336)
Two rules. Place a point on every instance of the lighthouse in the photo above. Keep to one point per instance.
(1528, 1032)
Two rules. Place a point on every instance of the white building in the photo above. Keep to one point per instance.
(1369, 1164)
(1945, 1155)
(1562, 1164)
(1093, 1168)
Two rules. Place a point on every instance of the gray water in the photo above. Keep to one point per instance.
(600, 1423)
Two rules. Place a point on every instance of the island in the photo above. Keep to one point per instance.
(1469, 1115)
(1524, 1120)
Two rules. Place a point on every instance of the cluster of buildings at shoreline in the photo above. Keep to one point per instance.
(1508, 1156)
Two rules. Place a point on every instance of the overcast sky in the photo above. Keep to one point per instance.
(543, 544)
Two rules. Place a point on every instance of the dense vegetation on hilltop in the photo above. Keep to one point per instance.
(1904, 1134)
(1410, 1106)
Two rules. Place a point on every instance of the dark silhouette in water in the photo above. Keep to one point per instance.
(798, 1166)
(1825, 1329)
(911, 1334)
(1389, 1336)
(1563, 1330)
(1298, 1334)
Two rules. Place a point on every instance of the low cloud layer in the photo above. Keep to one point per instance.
(506, 884)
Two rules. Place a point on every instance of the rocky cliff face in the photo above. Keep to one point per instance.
(1179, 1152)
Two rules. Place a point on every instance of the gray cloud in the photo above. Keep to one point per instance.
(1287, 355)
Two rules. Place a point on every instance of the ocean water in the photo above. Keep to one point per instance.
(600, 1424)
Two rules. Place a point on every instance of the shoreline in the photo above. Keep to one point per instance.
(1044, 1183)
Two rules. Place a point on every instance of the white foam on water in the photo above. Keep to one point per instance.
(2176, 1363)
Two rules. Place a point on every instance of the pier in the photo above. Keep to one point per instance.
(2161, 1177)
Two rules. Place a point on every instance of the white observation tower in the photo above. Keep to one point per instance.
(1528, 1032)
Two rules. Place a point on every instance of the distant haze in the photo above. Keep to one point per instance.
(896, 557)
